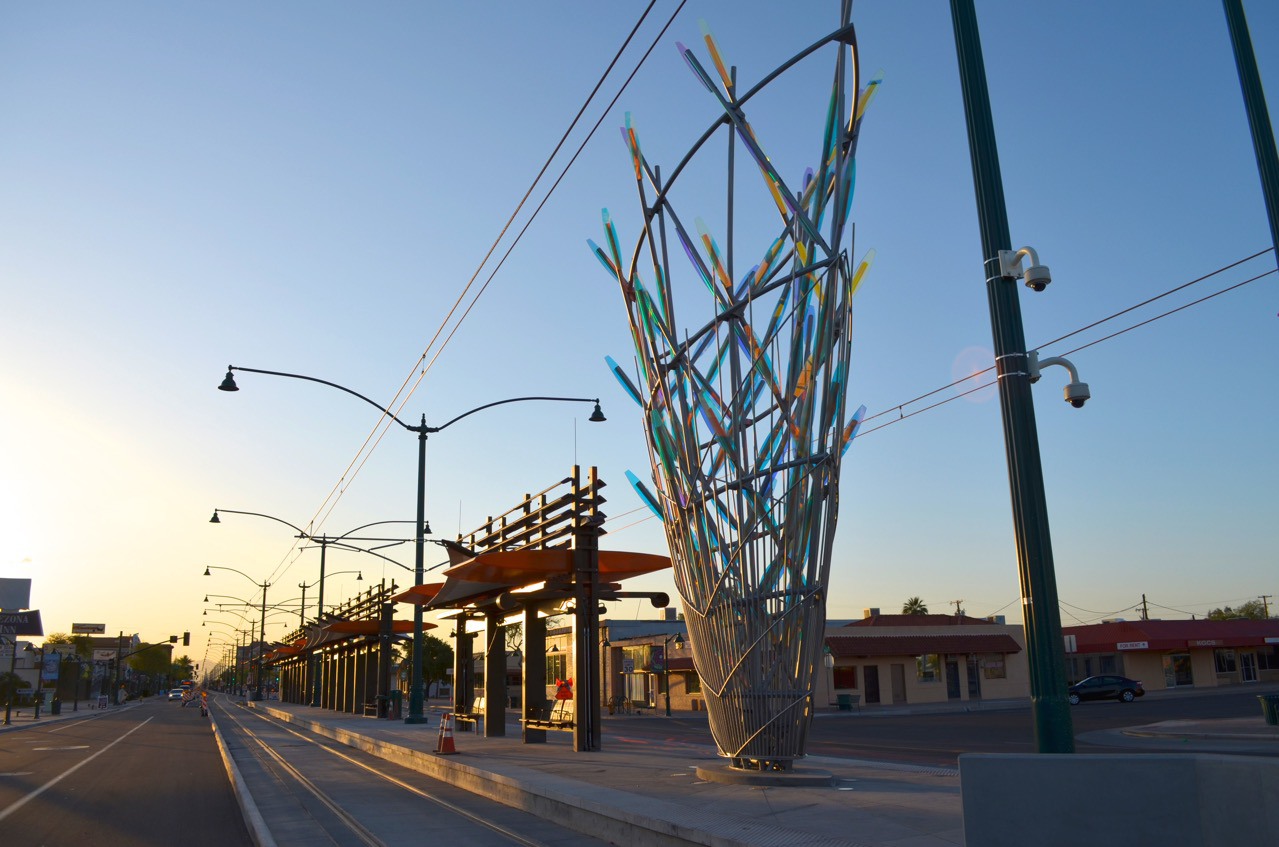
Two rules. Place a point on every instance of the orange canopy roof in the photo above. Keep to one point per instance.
(418, 595)
(524, 567)
(371, 627)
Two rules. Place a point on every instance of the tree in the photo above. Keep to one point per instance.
(1252, 610)
(437, 657)
(914, 606)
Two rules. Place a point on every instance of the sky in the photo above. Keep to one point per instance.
(309, 187)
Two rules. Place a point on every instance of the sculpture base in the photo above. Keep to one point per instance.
(793, 778)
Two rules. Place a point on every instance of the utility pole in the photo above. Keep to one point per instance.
(1263, 598)
(1145, 609)
(958, 611)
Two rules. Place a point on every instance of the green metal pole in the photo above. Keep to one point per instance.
(1254, 99)
(416, 690)
(314, 659)
(261, 643)
(1044, 647)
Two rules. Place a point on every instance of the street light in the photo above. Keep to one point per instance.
(666, 666)
(323, 541)
(417, 694)
(261, 623)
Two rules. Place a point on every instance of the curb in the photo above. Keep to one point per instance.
(253, 819)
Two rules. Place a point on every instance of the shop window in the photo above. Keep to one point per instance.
(926, 667)
(845, 677)
(1268, 660)
(1106, 664)
(692, 683)
(1225, 660)
(556, 667)
(994, 666)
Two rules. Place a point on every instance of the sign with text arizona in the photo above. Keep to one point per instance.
(21, 623)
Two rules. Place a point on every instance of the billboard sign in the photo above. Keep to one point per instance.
(103, 655)
(15, 594)
(49, 672)
(20, 623)
(88, 629)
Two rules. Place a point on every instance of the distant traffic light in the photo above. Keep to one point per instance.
(186, 639)
(173, 639)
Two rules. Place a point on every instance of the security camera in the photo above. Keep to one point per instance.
(1077, 394)
(1036, 275)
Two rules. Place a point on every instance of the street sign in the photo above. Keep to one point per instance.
(103, 655)
(21, 623)
(88, 629)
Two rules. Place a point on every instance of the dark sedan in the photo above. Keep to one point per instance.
(1105, 688)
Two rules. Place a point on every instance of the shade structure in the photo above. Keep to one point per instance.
(371, 627)
(517, 568)
(745, 412)
(418, 595)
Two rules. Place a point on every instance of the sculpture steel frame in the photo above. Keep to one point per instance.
(745, 415)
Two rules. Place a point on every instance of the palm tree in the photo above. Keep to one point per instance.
(914, 606)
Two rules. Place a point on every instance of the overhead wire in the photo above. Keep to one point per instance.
(386, 420)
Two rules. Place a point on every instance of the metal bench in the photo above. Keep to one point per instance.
(558, 717)
(472, 715)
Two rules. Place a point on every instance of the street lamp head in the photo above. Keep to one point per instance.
(206, 571)
(228, 384)
(215, 518)
(597, 416)
(679, 640)
(360, 577)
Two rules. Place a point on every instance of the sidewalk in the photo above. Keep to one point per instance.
(640, 792)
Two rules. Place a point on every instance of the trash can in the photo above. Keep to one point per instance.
(396, 697)
(1270, 708)
(55, 708)
(845, 702)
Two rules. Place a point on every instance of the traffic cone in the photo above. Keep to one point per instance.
(444, 743)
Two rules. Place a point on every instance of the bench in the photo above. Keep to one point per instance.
(373, 708)
(472, 715)
(558, 717)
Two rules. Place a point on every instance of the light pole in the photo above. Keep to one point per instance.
(417, 694)
(261, 622)
(1044, 646)
(666, 666)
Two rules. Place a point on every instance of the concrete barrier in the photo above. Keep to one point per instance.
(1178, 800)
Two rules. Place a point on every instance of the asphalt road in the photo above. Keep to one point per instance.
(141, 775)
(938, 739)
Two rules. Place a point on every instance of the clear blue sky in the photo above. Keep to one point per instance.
(308, 187)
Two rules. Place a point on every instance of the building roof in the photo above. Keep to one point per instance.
(848, 646)
(919, 620)
(1172, 635)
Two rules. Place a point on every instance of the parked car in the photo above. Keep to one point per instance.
(1106, 687)
(176, 693)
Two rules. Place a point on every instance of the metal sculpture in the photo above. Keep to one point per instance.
(745, 414)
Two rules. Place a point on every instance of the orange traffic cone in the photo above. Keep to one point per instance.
(444, 743)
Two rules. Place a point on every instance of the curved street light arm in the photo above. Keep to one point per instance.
(594, 400)
(258, 515)
(371, 552)
(375, 405)
(207, 568)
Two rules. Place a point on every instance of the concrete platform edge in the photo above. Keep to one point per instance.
(630, 819)
(253, 820)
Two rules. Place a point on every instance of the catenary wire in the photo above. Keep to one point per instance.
(384, 421)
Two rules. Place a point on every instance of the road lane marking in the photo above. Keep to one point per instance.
(18, 773)
(19, 803)
(72, 747)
